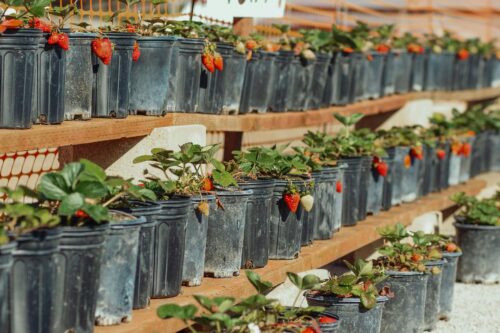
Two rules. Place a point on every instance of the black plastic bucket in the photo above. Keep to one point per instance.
(318, 84)
(286, 227)
(257, 88)
(405, 311)
(364, 180)
(354, 317)
(480, 261)
(442, 168)
(455, 164)
(388, 85)
(233, 78)
(375, 191)
(170, 241)
(145, 256)
(432, 295)
(388, 183)
(284, 81)
(494, 143)
(351, 190)
(226, 229)
(399, 168)
(433, 71)
(374, 69)
(186, 62)
(196, 241)
(472, 71)
(448, 277)
(358, 77)
(79, 76)
(330, 82)
(402, 67)
(410, 180)
(35, 293)
(80, 257)
(325, 205)
(115, 297)
(257, 223)
(448, 66)
(343, 71)
(50, 76)
(302, 72)
(417, 72)
(112, 82)
(309, 218)
(466, 162)
(460, 74)
(5, 283)
(18, 50)
(427, 174)
(151, 75)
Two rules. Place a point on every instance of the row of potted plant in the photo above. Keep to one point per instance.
(154, 65)
(405, 289)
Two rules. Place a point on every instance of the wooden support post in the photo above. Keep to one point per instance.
(232, 141)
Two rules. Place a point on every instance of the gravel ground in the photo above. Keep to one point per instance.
(475, 310)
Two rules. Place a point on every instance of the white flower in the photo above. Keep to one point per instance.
(253, 328)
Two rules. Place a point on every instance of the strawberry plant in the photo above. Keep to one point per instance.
(477, 211)
(26, 11)
(254, 163)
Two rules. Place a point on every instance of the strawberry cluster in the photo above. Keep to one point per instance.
(380, 166)
(103, 49)
(212, 59)
(10, 24)
(136, 53)
(59, 38)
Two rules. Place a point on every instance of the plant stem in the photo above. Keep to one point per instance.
(297, 298)
(114, 198)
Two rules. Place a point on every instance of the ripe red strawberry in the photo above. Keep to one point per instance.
(451, 247)
(407, 161)
(103, 49)
(10, 24)
(441, 154)
(218, 62)
(208, 61)
(347, 50)
(416, 257)
(40, 25)
(414, 48)
(208, 185)
(130, 28)
(63, 41)
(136, 53)
(308, 330)
(417, 152)
(462, 54)
(369, 57)
(53, 38)
(292, 201)
(250, 44)
(382, 168)
(325, 320)
(81, 214)
(338, 186)
(383, 48)
(141, 185)
(466, 149)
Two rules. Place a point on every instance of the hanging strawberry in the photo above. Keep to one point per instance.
(136, 53)
(466, 149)
(292, 197)
(306, 199)
(10, 24)
(203, 208)
(441, 154)
(407, 161)
(218, 61)
(40, 25)
(382, 48)
(347, 50)
(63, 41)
(103, 49)
(207, 185)
(338, 186)
(207, 58)
(417, 152)
(462, 54)
(380, 166)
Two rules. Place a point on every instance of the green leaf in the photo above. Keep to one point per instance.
(309, 281)
(204, 301)
(347, 280)
(295, 279)
(92, 189)
(143, 158)
(340, 291)
(53, 186)
(223, 178)
(368, 301)
(97, 213)
(167, 311)
(262, 287)
(70, 204)
(37, 7)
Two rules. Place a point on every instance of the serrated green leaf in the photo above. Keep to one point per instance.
(70, 204)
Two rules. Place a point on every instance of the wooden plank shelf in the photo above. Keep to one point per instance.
(320, 253)
(72, 133)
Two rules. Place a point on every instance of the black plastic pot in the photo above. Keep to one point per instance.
(318, 84)
(455, 165)
(284, 81)
(343, 71)
(50, 76)
(112, 82)
(257, 223)
(388, 85)
(354, 317)
(479, 156)
(373, 72)
(432, 295)
(402, 67)
(326, 202)
(196, 241)
(429, 172)
(79, 77)
(448, 66)
(399, 154)
(330, 327)
(488, 71)
(433, 71)
(364, 180)
(480, 261)
(170, 241)
(186, 62)
(35, 296)
(226, 228)
(309, 218)
(417, 72)
(233, 78)
(460, 74)
(358, 77)
(473, 71)
(405, 311)
(375, 192)
(5, 283)
(257, 88)
(115, 297)
(481, 65)
(329, 84)
(145, 256)
(286, 227)
(495, 80)
(442, 168)
(409, 182)
(351, 188)
(152, 76)
(18, 50)
(388, 183)
(448, 277)
(302, 72)
(466, 162)
(80, 257)
(494, 157)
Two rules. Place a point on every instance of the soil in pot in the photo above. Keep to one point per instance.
(388, 76)
(448, 277)
(151, 76)
(19, 49)
(342, 78)
(405, 311)
(284, 81)
(374, 67)
(417, 72)
(186, 63)
(350, 189)
(233, 78)
(318, 84)
(354, 317)
(286, 227)
(303, 72)
(196, 241)
(432, 294)
(226, 228)
(402, 67)
(409, 182)
(80, 256)
(6, 261)
(169, 246)
(258, 86)
(388, 181)
(112, 82)
(326, 198)
(257, 223)
(366, 166)
(115, 297)
(36, 296)
(50, 76)
(79, 77)
(480, 261)
(145, 256)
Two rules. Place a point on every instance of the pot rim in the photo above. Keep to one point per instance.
(229, 193)
(459, 225)
(399, 273)
(344, 300)
(452, 254)
(436, 262)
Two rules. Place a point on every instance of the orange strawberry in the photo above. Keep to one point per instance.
(416, 257)
(63, 41)
(407, 161)
(10, 24)
(369, 57)
(218, 62)
(207, 185)
(250, 44)
(417, 152)
(382, 48)
(338, 186)
(441, 154)
(130, 28)
(292, 201)
(204, 208)
(208, 61)
(462, 54)
(456, 148)
(451, 247)
(136, 53)
(326, 319)
(347, 50)
(466, 149)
